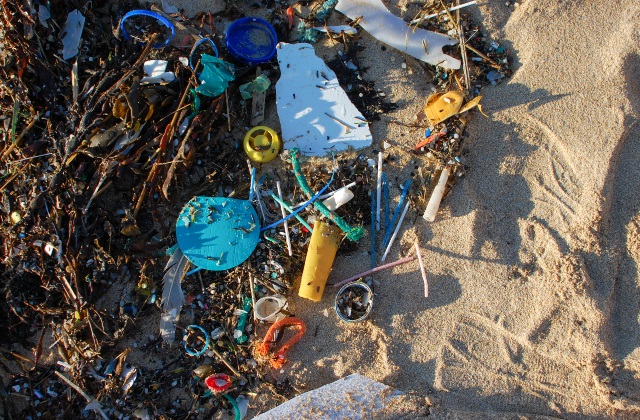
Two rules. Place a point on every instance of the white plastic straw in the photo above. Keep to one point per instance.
(395, 232)
(453, 9)
(286, 224)
(379, 191)
(422, 270)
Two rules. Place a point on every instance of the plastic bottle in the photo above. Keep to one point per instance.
(320, 255)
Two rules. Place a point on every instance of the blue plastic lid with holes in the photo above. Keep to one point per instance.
(217, 233)
(252, 40)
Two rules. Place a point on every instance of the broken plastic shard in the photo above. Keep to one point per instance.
(393, 31)
(71, 34)
(156, 72)
(215, 77)
(169, 8)
(315, 113)
(259, 84)
(43, 15)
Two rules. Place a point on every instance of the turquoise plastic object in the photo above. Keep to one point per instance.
(215, 77)
(217, 233)
(252, 40)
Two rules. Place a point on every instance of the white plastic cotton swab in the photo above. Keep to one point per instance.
(395, 232)
(286, 224)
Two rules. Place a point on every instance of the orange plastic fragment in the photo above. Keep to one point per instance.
(290, 16)
(278, 359)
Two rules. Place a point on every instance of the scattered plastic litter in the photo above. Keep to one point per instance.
(252, 40)
(261, 144)
(320, 255)
(145, 14)
(393, 31)
(260, 84)
(215, 77)
(316, 115)
(278, 359)
(436, 197)
(269, 308)
(217, 233)
(441, 106)
(218, 382)
(354, 302)
(156, 72)
(72, 34)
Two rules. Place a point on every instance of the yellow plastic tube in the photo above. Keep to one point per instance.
(320, 255)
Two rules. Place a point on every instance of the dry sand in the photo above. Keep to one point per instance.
(533, 261)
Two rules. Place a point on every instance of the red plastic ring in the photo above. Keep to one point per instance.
(218, 382)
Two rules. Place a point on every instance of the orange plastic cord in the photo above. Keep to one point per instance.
(278, 359)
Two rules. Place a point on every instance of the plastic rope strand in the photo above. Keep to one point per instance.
(278, 359)
(352, 233)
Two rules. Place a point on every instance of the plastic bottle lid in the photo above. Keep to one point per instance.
(261, 144)
(218, 382)
(252, 40)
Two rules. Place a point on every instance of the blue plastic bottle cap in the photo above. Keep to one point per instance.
(252, 40)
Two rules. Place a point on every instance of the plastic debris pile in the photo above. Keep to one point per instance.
(154, 223)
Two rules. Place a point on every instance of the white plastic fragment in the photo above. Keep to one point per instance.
(341, 196)
(72, 34)
(337, 29)
(169, 8)
(393, 31)
(315, 113)
(434, 202)
(155, 71)
(43, 15)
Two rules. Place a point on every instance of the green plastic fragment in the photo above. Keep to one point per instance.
(260, 84)
(242, 321)
(215, 77)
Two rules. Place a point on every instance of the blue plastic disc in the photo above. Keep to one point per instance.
(217, 233)
(252, 40)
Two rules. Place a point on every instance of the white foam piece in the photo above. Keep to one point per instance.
(306, 92)
(393, 31)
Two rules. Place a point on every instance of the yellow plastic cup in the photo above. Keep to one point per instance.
(320, 255)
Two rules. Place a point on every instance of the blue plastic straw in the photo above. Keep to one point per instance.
(299, 209)
(253, 184)
(403, 197)
(387, 213)
(373, 229)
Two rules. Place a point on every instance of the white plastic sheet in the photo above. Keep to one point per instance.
(315, 113)
(393, 31)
